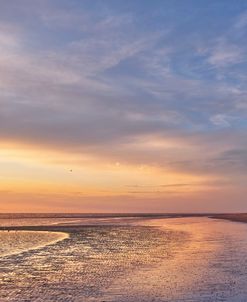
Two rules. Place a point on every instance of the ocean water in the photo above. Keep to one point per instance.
(14, 243)
(123, 259)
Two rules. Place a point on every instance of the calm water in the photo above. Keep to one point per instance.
(125, 259)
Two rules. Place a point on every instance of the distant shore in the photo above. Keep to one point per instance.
(238, 217)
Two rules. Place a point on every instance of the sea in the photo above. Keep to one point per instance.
(121, 258)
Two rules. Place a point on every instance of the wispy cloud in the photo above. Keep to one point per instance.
(224, 54)
(127, 84)
(241, 21)
(221, 120)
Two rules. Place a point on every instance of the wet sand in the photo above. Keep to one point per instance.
(16, 242)
(188, 259)
(81, 267)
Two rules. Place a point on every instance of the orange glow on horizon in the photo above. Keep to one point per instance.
(32, 172)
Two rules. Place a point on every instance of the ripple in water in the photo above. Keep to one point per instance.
(15, 242)
(176, 260)
(83, 266)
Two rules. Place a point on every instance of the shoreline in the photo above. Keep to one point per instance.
(240, 217)
(45, 238)
(66, 228)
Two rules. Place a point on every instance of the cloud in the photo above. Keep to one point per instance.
(101, 83)
(221, 120)
(241, 21)
(224, 54)
(222, 57)
(235, 159)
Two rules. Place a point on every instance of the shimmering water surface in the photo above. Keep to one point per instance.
(125, 259)
(16, 242)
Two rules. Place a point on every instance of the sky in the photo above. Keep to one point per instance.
(123, 106)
